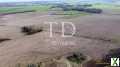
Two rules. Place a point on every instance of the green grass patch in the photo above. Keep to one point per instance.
(29, 65)
(106, 6)
(40, 8)
(77, 58)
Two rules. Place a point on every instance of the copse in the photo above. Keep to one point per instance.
(87, 9)
(84, 5)
(79, 8)
(93, 10)
(83, 8)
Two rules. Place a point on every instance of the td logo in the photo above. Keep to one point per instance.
(115, 62)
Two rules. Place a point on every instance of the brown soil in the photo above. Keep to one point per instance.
(90, 38)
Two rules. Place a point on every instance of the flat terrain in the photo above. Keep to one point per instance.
(96, 35)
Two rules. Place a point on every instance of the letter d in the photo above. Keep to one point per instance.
(63, 29)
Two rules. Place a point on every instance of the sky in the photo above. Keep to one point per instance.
(22, 0)
(51, 0)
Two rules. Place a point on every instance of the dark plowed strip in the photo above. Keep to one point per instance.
(17, 12)
(97, 38)
(4, 39)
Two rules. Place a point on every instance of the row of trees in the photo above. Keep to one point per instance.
(84, 8)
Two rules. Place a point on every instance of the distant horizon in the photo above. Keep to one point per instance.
(49, 0)
(25, 0)
(70, 1)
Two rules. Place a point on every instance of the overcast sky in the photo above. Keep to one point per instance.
(22, 0)
(50, 0)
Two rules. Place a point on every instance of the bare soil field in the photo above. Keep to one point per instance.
(96, 35)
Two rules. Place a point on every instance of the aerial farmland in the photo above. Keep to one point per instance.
(26, 41)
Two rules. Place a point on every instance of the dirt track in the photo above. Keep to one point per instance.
(88, 38)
